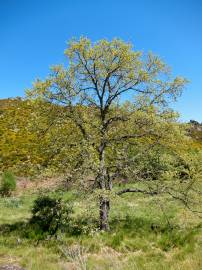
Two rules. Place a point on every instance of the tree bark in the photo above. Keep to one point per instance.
(104, 214)
(103, 177)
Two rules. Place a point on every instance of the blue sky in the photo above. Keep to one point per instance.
(33, 36)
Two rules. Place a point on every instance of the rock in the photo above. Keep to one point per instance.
(10, 267)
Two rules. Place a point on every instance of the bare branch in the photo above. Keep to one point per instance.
(136, 190)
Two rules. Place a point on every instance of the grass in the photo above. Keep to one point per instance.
(146, 234)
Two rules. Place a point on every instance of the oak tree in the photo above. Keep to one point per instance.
(117, 100)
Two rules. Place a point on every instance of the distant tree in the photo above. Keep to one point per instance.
(194, 122)
(117, 100)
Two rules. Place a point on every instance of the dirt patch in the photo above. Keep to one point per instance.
(24, 184)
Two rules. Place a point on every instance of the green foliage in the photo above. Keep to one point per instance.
(50, 214)
(8, 184)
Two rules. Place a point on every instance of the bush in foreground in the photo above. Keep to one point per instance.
(50, 214)
(8, 184)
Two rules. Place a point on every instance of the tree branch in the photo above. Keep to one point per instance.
(136, 190)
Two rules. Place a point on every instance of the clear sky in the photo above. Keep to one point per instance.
(33, 36)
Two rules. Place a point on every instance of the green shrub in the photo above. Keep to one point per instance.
(50, 214)
(8, 184)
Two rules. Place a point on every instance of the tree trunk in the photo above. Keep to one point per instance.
(104, 214)
(103, 185)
